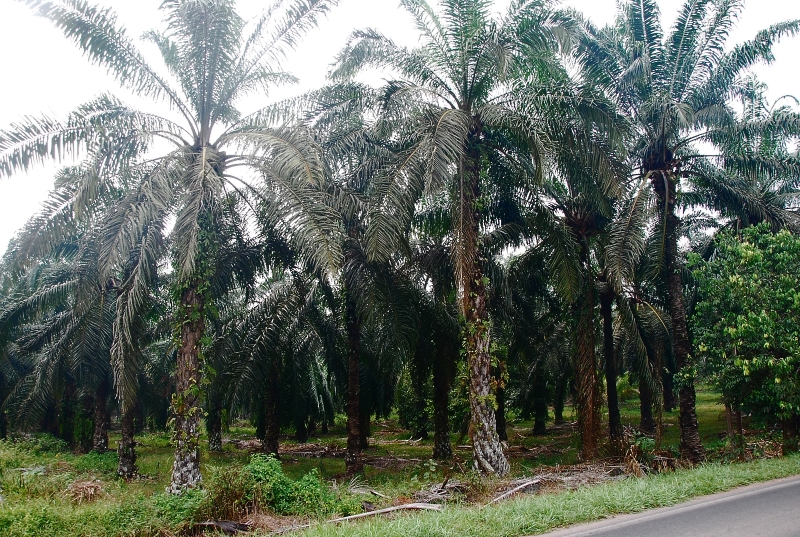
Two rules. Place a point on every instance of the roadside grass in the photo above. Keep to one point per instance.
(541, 513)
(36, 472)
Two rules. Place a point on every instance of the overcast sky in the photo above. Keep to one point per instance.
(43, 73)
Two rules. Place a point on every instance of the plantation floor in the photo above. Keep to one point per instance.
(47, 491)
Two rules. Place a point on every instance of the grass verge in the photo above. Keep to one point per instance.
(538, 514)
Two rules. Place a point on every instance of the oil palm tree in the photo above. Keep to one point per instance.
(675, 89)
(477, 87)
(212, 60)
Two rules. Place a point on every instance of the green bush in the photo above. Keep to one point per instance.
(625, 391)
(185, 507)
(746, 323)
(42, 443)
(230, 492)
(262, 484)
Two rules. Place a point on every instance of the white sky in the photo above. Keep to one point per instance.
(46, 74)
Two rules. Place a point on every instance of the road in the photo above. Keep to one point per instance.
(770, 509)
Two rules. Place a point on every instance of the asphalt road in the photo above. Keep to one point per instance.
(770, 509)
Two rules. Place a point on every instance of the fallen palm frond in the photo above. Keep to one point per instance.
(87, 490)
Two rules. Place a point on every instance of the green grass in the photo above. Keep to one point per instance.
(538, 514)
(35, 504)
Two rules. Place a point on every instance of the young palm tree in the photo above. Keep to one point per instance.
(476, 87)
(675, 89)
(212, 60)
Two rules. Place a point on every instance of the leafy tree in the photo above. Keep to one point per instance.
(675, 88)
(746, 324)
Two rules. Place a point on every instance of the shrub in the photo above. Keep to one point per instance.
(185, 507)
(625, 391)
(42, 443)
(231, 492)
(747, 319)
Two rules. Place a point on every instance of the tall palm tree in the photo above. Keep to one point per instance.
(212, 60)
(675, 88)
(477, 88)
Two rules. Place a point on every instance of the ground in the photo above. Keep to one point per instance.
(46, 489)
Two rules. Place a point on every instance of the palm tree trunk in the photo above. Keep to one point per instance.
(789, 428)
(301, 431)
(614, 420)
(186, 401)
(691, 446)
(272, 422)
(101, 418)
(214, 428)
(487, 451)
(586, 371)
(646, 422)
(502, 425)
(126, 449)
(539, 402)
(559, 397)
(442, 449)
(352, 460)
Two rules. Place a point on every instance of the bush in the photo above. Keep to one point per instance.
(746, 324)
(625, 391)
(42, 443)
(185, 507)
(230, 492)
(262, 484)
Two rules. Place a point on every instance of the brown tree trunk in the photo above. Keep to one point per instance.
(559, 397)
(272, 420)
(352, 460)
(540, 402)
(301, 431)
(789, 428)
(442, 449)
(214, 429)
(586, 377)
(614, 420)
(126, 449)
(101, 418)
(186, 400)
(487, 451)
(691, 446)
(502, 431)
(646, 422)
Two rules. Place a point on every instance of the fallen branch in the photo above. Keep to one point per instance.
(413, 506)
(511, 492)
(407, 506)
(228, 527)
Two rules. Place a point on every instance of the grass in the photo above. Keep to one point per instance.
(538, 514)
(35, 503)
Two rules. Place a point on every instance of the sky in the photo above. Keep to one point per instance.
(43, 73)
